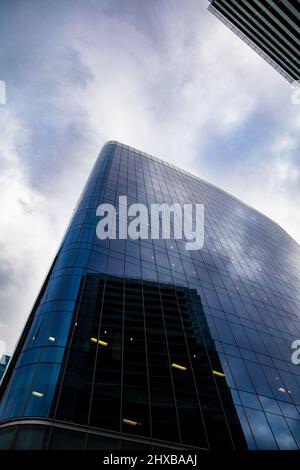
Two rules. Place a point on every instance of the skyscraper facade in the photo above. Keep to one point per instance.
(270, 27)
(142, 343)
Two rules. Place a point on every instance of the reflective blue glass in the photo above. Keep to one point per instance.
(247, 277)
(281, 432)
(260, 427)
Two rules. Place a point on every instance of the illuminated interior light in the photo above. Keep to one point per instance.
(281, 389)
(131, 339)
(131, 422)
(51, 338)
(37, 394)
(177, 366)
(105, 332)
(99, 341)
(218, 374)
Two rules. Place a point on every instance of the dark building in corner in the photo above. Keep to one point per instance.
(270, 27)
(143, 344)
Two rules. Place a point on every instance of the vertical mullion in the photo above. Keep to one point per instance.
(122, 360)
(147, 362)
(192, 370)
(97, 349)
(169, 361)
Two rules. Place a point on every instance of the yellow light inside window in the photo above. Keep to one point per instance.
(99, 341)
(219, 374)
(131, 422)
(37, 394)
(177, 366)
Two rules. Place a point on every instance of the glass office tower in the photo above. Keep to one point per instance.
(270, 27)
(142, 344)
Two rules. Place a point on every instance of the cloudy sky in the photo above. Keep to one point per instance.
(164, 76)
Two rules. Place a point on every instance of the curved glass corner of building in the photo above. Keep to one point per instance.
(145, 344)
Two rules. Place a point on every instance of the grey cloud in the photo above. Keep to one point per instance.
(6, 273)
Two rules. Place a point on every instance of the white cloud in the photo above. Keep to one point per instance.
(24, 228)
